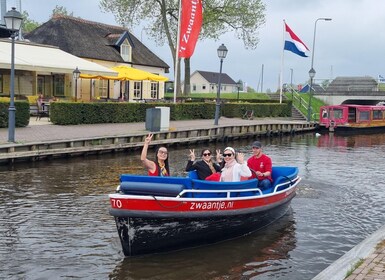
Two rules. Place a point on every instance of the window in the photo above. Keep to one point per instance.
(377, 115)
(103, 88)
(137, 90)
(194, 87)
(324, 114)
(125, 51)
(337, 114)
(58, 85)
(364, 116)
(1, 83)
(203, 87)
(154, 90)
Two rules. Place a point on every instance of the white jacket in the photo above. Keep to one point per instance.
(238, 171)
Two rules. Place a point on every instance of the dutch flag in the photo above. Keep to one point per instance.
(293, 43)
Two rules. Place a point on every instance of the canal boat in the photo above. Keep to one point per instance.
(348, 118)
(158, 214)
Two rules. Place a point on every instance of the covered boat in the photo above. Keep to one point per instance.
(348, 118)
(158, 214)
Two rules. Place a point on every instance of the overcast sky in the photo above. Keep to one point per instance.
(352, 44)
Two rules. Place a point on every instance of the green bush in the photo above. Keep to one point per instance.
(21, 116)
(68, 113)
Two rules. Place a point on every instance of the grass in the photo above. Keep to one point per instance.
(380, 245)
(354, 267)
(315, 104)
(234, 95)
(244, 96)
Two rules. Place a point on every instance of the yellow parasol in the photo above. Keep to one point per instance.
(126, 73)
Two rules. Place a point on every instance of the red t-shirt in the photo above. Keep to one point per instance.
(262, 164)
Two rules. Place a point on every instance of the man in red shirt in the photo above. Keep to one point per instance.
(260, 166)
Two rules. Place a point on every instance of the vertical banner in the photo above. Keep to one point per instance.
(190, 27)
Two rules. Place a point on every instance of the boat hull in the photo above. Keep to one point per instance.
(154, 235)
(351, 130)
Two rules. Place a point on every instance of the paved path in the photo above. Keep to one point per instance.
(373, 267)
(42, 130)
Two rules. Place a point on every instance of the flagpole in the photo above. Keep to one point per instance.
(176, 53)
(283, 53)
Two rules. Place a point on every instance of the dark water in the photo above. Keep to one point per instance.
(54, 221)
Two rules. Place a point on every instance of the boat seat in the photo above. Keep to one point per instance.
(147, 188)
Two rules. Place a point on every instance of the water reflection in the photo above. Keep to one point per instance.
(259, 253)
(54, 220)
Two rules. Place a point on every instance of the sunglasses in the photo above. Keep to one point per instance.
(208, 154)
(227, 155)
(163, 152)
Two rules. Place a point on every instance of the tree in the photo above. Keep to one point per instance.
(28, 24)
(243, 17)
(60, 10)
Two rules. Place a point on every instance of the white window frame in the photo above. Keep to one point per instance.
(125, 51)
(154, 90)
(137, 90)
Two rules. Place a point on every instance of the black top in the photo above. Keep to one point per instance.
(202, 168)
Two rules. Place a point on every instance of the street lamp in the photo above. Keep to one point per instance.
(222, 52)
(13, 20)
(312, 71)
(76, 75)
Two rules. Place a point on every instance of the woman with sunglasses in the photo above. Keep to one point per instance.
(159, 167)
(205, 167)
(234, 169)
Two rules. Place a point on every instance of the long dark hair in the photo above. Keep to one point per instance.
(165, 162)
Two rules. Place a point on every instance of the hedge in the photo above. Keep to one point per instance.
(21, 116)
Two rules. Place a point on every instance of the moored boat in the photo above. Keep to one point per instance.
(348, 118)
(157, 214)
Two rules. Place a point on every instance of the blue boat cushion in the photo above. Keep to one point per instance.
(146, 188)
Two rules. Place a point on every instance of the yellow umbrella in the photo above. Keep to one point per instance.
(126, 73)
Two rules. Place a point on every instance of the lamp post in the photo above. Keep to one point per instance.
(222, 52)
(312, 71)
(13, 20)
(76, 74)
(311, 75)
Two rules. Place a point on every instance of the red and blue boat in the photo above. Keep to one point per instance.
(159, 214)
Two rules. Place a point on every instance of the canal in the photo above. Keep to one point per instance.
(54, 220)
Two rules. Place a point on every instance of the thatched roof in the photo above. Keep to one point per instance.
(352, 84)
(93, 40)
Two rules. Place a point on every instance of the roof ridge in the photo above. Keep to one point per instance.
(82, 20)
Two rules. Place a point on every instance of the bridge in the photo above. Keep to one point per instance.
(351, 97)
(352, 90)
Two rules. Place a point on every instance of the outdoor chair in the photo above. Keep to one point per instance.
(42, 110)
(249, 115)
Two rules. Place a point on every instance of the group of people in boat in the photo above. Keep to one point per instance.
(227, 167)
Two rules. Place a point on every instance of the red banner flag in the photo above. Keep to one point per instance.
(190, 27)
